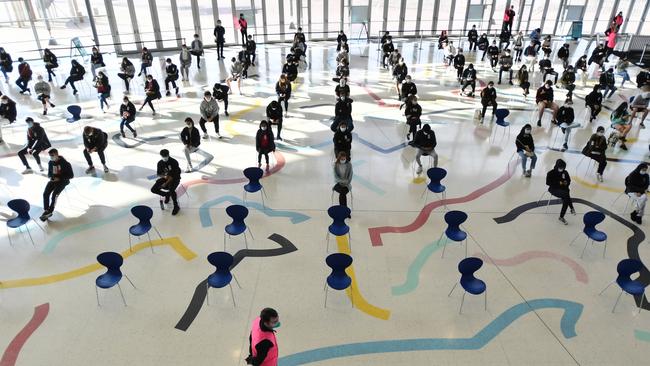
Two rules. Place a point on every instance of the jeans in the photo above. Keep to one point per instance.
(169, 191)
(610, 88)
(431, 152)
(53, 189)
(185, 71)
(506, 70)
(568, 128)
(202, 123)
(126, 123)
(23, 159)
(50, 73)
(565, 196)
(93, 69)
(518, 53)
(342, 191)
(89, 159)
(22, 84)
(188, 150)
(524, 160)
(102, 101)
(639, 202)
(4, 72)
(624, 75)
(143, 69)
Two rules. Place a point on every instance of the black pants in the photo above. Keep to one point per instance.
(220, 48)
(507, 26)
(279, 124)
(53, 190)
(198, 58)
(565, 62)
(601, 159)
(595, 109)
(494, 61)
(485, 105)
(342, 191)
(413, 124)
(250, 57)
(22, 84)
(383, 60)
(565, 196)
(459, 71)
(501, 70)
(148, 101)
(170, 79)
(518, 53)
(169, 191)
(23, 159)
(127, 123)
(127, 78)
(259, 157)
(202, 123)
(244, 35)
(89, 159)
(550, 72)
(526, 86)
(472, 45)
(50, 73)
(502, 43)
(71, 80)
(284, 99)
(570, 88)
(225, 102)
(469, 83)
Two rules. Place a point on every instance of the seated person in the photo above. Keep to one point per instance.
(595, 149)
(544, 99)
(546, 68)
(413, 112)
(425, 142)
(636, 187)
(621, 122)
(640, 104)
(558, 181)
(594, 101)
(526, 149)
(488, 98)
(568, 80)
(566, 121)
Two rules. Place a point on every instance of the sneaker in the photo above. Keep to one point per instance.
(408, 136)
(175, 210)
(279, 138)
(162, 205)
(40, 167)
(27, 171)
(52, 105)
(528, 173)
(419, 169)
(227, 114)
(75, 92)
(177, 93)
(599, 177)
(123, 135)
(564, 148)
(168, 93)
(573, 212)
(218, 135)
(623, 147)
(562, 220)
(188, 169)
(62, 86)
(205, 136)
(642, 125)
(45, 215)
(167, 199)
(106, 169)
(563, 130)
(539, 123)
(90, 169)
(45, 112)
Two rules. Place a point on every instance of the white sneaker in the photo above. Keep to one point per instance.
(599, 177)
(28, 171)
(106, 169)
(90, 169)
(188, 169)
(218, 135)
(205, 136)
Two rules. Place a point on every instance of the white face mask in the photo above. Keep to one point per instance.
(125, 103)
(342, 83)
(30, 124)
(644, 172)
(560, 170)
(601, 134)
(189, 125)
(527, 131)
(165, 158)
(207, 99)
(343, 161)
(5, 102)
(343, 129)
(408, 80)
(263, 128)
(54, 158)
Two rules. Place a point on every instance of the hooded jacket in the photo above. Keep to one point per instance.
(220, 91)
(425, 138)
(524, 140)
(60, 169)
(565, 115)
(413, 112)
(130, 107)
(268, 135)
(97, 140)
(191, 136)
(209, 109)
(593, 98)
(597, 145)
(274, 111)
(409, 89)
(37, 138)
(636, 182)
(343, 108)
(556, 179)
(563, 52)
(342, 140)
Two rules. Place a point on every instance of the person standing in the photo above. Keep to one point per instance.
(169, 177)
(544, 99)
(264, 143)
(472, 37)
(197, 50)
(558, 181)
(96, 61)
(172, 75)
(243, 28)
(340, 40)
(76, 74)
(343, 177)
(24, 76)
(283, 91)
(262, 343)
(191, 139)
(274, 114)
(251, 47)
(636, 187)
(60, 172)
(595, 149)
(506, 65)
(146, 59)
(6, 64)
(51, 63)
(413, 112)
(209, 110)
(425, 142)
(37, 141)
(103, 89)
(488, 98)
(127, 72)
(618, 20)
(621, 69)
(509, 18)
(95, 140)
(185, 58)
(219, 38)
(526, 149)
(152, 91)
(43, 91)
(220, 93)
(127, 111)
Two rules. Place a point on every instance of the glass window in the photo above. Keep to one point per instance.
(377, 18)
(410, 17)
(228, 21)
(317, 20)
(632, 20)
(166, 19)
(443, 16)
(459, 17)
(186, 20)
(103, 27)
(392, 25)
(207, 21)
(551, 16)
(333, 16)
(604, 18)
(17, 33)
(589, 16)
(273, 19)
(427, 17)
(145, 25)
(291, 19)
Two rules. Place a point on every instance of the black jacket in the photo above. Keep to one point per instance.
(98, 140)
(459, 60)
(469, 74)
(568, 78)
(191, 136)
(220, 91)
(6, 62)
(97, 59)
(636, 182)
(400, 71)
(251, 46)
(565, 115)
(50, 59)
(557, 180)
(152, 89)
(642, 78)
(290, 69)
(274, 113)
(169, 168)
(341, 38)
(128, 108)
(545, 64)
(425, 139)
(472, 35)
(146, 58)
(171, 71)
(37, 138)
(593, 98)
(258, 141)
(342, 90)
(530, 51)
(342, 140)
(607, 78)
(596, 145)
(343, 108)
(286, 90)
(413, 112)
(77, 71)
(9, 111)
(563, 52)
(524, 140)
(388, 48)
(60, 169)
(598, 53)
(409, 89)
(488, 95)
(343, 71)
(493, 51)
(483, 43)
(219, 32)
(581, 64)
(544, 95)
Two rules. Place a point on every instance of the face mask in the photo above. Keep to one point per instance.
(189, 125)
(165, 158)
(644, 172)
(414, 102)
(527, 131)
(343, 161)
(30, 125)
(601, 134)
(560, 170)
(342, 83)
(54, 158)
(263, 128)
(40, 79)
(125, 103)
(343, 129)
(408, 80)
(5, 102)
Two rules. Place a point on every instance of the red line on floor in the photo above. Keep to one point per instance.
(11, 353)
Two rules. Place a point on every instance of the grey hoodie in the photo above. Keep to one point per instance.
(209, 109)
(343, 173)
(42, 87)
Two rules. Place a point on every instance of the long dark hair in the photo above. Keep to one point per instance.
(620, 109)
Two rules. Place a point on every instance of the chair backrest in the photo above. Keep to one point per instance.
(454, 219)
(338, 262)
(112, 261)
(237, 213)
(436, 174)
(339, 213)
(75, 111)
(142, 213)
(501, 113)
(627, 267)
(593, 218)
(222, 261)
(468, 266)
(20, 206)
(253, 174)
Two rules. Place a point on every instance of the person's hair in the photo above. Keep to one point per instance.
(596, 87)
(241, 14)
(88, 130)
(559, 163)
(267, 314)
(413, 98)
(28, 119)
(20, 59)
(642, 166)
(340, 155)
(53, 152)
(189, 119)
(490, 82)
(150, 76)
(164, 153)
(620, 109)
(145, 49)
(548, 82)
(196, 35)
(233, 59)
(264, 122)
(4, 97)
(125, 99)
(600, 129)
(169, 60)
(207, 94)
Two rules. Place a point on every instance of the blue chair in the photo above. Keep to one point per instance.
(338, 214)
(626, 268)
(467, 267)
(338, 279)
(500, 115)
(222, 276)
(21, 207)
(254, 175)
(144, 226)
(237, 213)
(591, 219)
(435, 176)
(453, 232)
(112, 261)
(75, 112)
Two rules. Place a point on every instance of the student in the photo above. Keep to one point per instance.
(518, 45)
(25, 75)
(469, 77)
(172, 75)
(531, 56)
(103, 90)
(621, 122)
(394, 58)
(558, 181)
(488, 98)
(299, 36)
(343, 140)
(51, 62)
(235, 74)
(483, 43)
(568, 80)
(262, 344)
(526, 149)
(546, 67)
(243, 28)
(76, 74)
(493, 52)
(209, 110)
(563, 54)
(640, 104)
(95, 140)
(340, 39)
(544, 99)
(636, 187)
(60, 172)
(127, 72)
(96, 61)
(169, 177)
(399, 73)
(264, 143)
(283, 91)
(146, 58)
(219, 38)
(343, 177)
(385, 37)
(343, 113)
(506, 65)
(191, 139)
(387, 49)
(643, 79)
(43, 91)
(594, 101)
(425, 142)
(534, 36)
(127, 112)
(581, 65)
(7, 111)
(598, 56)
(509, 18)
(344, 89)
(274, 114)
(37, 141)
(343, 55)
(546, 46)
(152, 91)
(450, 52)
(621, 69)
(504, 38)
(6, 64)
(443, 39)
(220, 93)
(197, 50)
(290, 69)
(522, 77)
(459, 64)
(608, 82)
(185, 59)
(472, 37)
(251, 47)
(566, 122)
(595, 149)
(408, 88)
(413, 112)
(342, 71)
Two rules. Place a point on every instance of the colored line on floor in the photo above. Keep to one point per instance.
(633, 241)
(200, 292)
(376, 232)
(364, 182)
(234, 118)
(10, 355)
(578, 270)
(378, 148)
(380, 102)
(117, 139)
(413, 273)
(174, 242)
(584, 183)
(206, 219)
(359, 301)
(640, 335)
(570, 316)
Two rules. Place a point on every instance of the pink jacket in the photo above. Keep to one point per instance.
(611, 40)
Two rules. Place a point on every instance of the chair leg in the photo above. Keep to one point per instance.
(131, 282)
(9, 236)
(130, 245)
(352, 295)
(574, 239)
(250, 232)
(224, 241)
(325, 303)
(452, 289)
(604, 249)
(327, 237)
(548, 204)
(485, 299)
(30, 235)
(641, 304)
(444, 246)
(150, 243)
(606, 287)
(121, 293)
(460, 311)
(232, 295)
(466, 245)
(245, 240)
(616, 303)
(583, 249)
(207, 293)
(97, 295)
(158, 232)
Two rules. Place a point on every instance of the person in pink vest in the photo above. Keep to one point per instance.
(611, 42)
(618, 20)
(508, 18)
(243, 29)
(263, 346)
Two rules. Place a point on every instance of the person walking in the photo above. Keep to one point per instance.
(127, 73)
(197, 50)
(636, 187)
(127, 111)
(262, 342)
(95, 140)
(243, 28)
(595, 149)
(191, 139)
(209, 110)
(146, 59)
(621, 69)
(185, 59)
(171, 72)
(274, 115)
(96, 61)
(60, 172)
(24, 76)
(264, 143)
(43, 92)
(37, 141)
(6, 64)
(51, 62)
(558, 181)
(152, 91)
(526, 149)
(219, 38)
(169, 177)
(77, 73)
